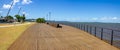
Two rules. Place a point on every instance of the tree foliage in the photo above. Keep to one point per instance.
(1, 17)
(9, 17)
(20, 18)
(40, 20)
(23, 18)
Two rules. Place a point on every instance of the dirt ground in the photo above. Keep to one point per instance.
(4, 24)
(45, 37)
(9, 34)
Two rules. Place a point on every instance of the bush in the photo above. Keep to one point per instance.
(40, 20)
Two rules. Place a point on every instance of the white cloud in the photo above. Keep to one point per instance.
(15, 1)
(114, 18)
(109, 18)
(105, 18)
(6, 6)
(94, 18)
(25, 13)
(26, 1)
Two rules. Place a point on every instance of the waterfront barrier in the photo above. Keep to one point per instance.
(108, 35)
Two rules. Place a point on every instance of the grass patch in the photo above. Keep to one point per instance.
(9, 34)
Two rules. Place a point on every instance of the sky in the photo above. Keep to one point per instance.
(65, 10)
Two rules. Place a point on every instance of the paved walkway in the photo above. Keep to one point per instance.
(45, 37)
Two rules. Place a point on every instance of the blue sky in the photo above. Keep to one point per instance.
(66, 10)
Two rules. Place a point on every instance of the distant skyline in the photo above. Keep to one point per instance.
(66, 10)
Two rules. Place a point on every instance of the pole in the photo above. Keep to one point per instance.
(95, 31)
(112, 37)
(10, 8)
(19, 10)
(49, 15)
(101, 33)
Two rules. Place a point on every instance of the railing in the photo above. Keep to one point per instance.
(110, 36)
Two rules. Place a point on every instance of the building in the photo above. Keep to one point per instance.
(5, 20)
(2, 20)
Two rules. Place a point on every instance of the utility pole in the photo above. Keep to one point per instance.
(19, 10)
(49, 16)
(10, 8)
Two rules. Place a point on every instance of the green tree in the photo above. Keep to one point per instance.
(18, 18)
(23, 18)
(40, 20)
(1, 17)
(9, 17)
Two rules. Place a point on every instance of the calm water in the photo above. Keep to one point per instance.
(105, 25)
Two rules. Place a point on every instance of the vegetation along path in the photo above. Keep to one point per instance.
(45, 37)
